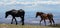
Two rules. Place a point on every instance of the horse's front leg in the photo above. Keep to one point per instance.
(40, 21)
(16, 21)
(12, 21)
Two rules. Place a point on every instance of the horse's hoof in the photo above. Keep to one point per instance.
(16, 24)
(11, 23)
(22, 24)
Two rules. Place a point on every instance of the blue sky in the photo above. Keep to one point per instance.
(50, 6)
(30, 5)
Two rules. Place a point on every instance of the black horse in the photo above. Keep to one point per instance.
(16, 13)
(44, 17)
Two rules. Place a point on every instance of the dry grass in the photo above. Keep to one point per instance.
(25, 26)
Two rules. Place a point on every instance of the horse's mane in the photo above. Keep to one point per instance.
(41, 12)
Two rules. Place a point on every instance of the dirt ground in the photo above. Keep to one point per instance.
(26, 26)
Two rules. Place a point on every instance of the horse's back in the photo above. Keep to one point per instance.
(44, 16)
(17, 11)
(50, 14)
(47, 16)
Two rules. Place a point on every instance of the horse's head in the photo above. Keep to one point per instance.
(39, 14)
(6, 14)
(36, 15)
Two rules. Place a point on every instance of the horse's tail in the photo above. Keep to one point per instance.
(50, 15)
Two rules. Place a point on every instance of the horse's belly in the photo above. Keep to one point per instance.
(17, 15)
(45, 17)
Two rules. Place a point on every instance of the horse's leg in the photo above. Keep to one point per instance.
(53, 21)
(45, 22)
(22, 19)
(50, 22)
(40, 21)
(16, 21)
(12, 21)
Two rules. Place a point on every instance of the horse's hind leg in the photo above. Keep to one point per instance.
(12, 21)
(50, 22)
(53, 21)
(22, 20)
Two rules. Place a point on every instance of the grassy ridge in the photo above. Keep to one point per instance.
(25, 26)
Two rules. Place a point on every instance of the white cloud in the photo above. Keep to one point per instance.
(5, 2)
(48, 1)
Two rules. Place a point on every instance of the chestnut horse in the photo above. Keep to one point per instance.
(44, 17)
(16, 13)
